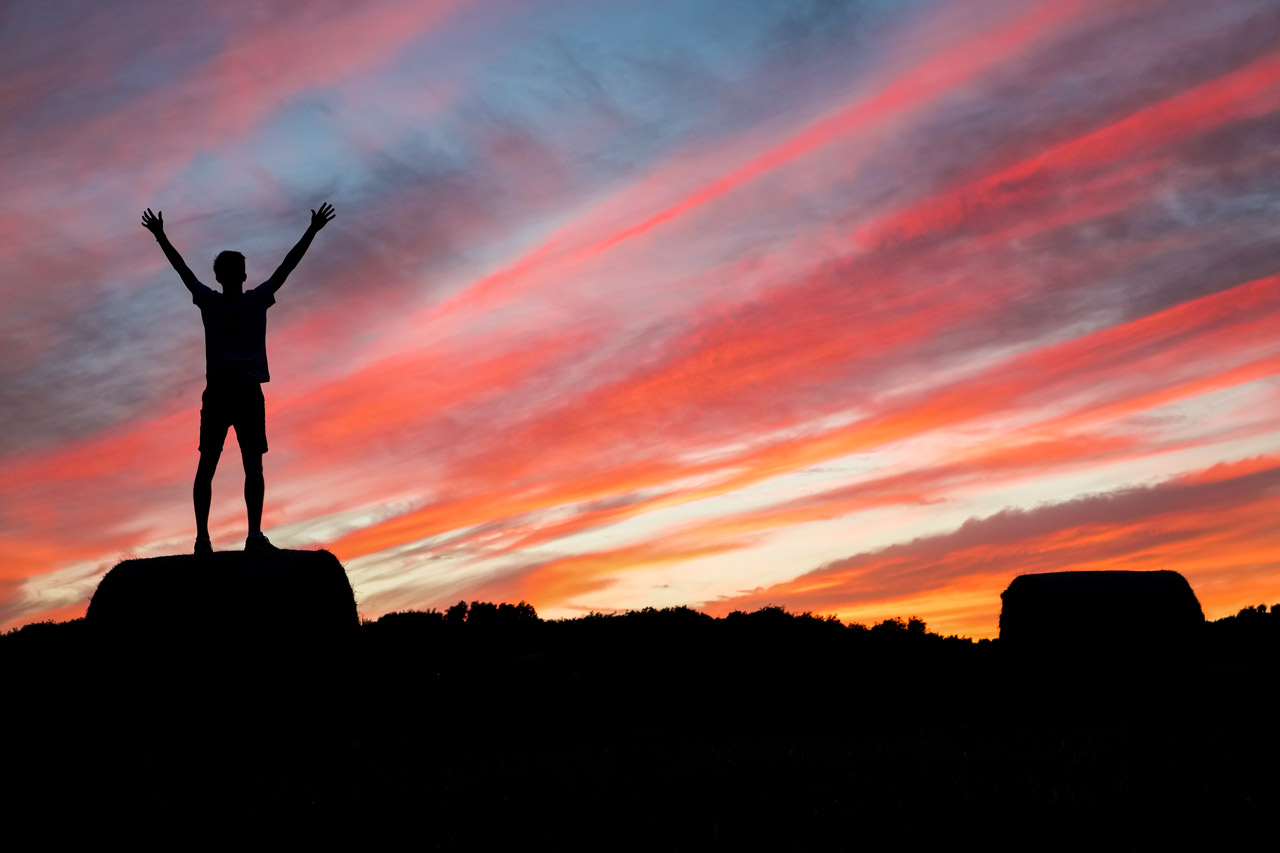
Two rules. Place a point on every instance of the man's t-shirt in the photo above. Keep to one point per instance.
(235, 331)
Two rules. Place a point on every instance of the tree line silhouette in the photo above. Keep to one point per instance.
(484, 724)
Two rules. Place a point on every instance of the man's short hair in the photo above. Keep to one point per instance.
(228, 264)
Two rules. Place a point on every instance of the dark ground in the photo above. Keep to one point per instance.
(652, 729)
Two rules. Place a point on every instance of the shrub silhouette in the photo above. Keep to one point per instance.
(457, 614)
(890, 626)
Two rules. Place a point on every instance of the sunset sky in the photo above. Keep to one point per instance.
(860, 308)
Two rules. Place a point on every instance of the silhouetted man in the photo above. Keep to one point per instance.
(235, 355)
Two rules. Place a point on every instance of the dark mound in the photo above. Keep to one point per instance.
(228, 598)
(213, 681)
(1109, 612)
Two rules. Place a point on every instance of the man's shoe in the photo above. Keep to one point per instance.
(259, 543)
(203, 545)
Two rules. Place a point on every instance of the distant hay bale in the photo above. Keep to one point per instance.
(1101, 612)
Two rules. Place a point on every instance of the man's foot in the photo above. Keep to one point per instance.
(203, 545)
(258, 542)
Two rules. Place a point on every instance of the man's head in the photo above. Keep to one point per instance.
(228, 269)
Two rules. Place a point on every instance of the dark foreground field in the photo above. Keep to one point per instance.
(655, 729)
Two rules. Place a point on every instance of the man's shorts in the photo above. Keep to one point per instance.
(238, 403)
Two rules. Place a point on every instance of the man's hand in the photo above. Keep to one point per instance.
(153, 222)
(320, 218)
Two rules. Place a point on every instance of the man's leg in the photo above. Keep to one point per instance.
(251, 432)
(202, 492)
(213, 431)
(254, 486)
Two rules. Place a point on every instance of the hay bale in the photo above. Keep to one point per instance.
(217, 677)
(230, 599)
(1101, 612)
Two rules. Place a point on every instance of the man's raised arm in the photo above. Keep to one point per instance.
(319, 219)
(154, 223)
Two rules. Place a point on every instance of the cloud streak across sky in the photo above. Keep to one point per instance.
(859, 307)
